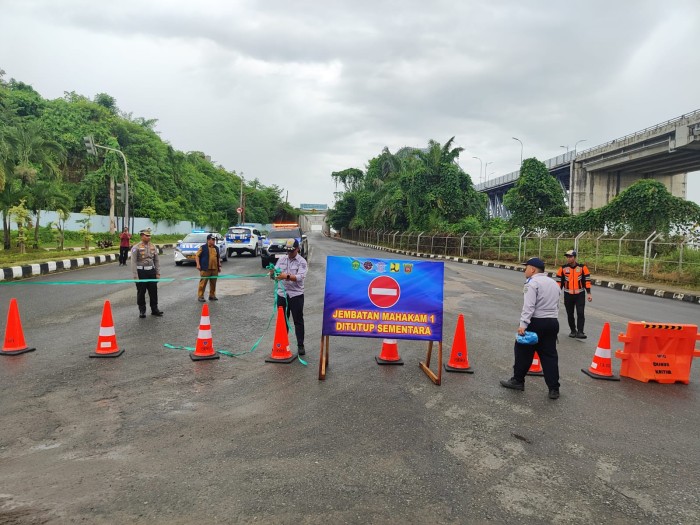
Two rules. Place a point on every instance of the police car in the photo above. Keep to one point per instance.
(186, 249)
(275, 245)
(243, 238)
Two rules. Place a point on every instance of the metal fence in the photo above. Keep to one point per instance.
(655, 258)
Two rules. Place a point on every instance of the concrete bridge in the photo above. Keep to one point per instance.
(593, 177)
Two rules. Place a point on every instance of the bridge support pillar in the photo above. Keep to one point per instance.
(595, 189)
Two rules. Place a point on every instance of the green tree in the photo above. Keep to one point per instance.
(535, 197)
(88, 211)
(341, 215)
(438, 192)
(643, 208)
(21, 216)
(47, 195)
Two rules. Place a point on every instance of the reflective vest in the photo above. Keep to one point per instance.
(574, 279)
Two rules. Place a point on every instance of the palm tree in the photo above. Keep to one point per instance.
(29, 154)
(434, 169)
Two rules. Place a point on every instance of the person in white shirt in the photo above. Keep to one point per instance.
(539, 315)
(291, 269)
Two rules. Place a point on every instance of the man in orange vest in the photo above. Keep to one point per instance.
(575, 279)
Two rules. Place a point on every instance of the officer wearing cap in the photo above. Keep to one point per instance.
(146, 265)
(209, 266)
(575, 279)
(291, 269)
(539, 315)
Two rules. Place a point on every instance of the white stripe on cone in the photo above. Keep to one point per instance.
(603, 352)
(107, 331)
(204, 334)
(205, 320)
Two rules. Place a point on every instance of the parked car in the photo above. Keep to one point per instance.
(186, 249)
(241, 239)
(276, 243)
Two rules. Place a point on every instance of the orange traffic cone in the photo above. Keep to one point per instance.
(535, 367)
(280, 347)
(459, 359)
(14, 336)
(205, 345)
(389, 354)
(601, 367)
(107, 340)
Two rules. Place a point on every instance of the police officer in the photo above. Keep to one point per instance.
(146, 265)
(292, 270)
(575, 279)
(539, 315)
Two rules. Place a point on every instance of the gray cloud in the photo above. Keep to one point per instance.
(290, 91)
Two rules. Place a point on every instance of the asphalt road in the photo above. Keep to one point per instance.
(152, 437)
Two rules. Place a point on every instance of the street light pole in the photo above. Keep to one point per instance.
(240, 202)
(481, 166)
(126, 173)
(486, 167)
(577, 143)
(566, 148)
(521, 150)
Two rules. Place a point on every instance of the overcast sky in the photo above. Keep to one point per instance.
(290, 91)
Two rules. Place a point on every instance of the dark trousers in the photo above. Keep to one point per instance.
(577, 301)
(295, 306)
(123, 254)
(152, 288)
(546, 347)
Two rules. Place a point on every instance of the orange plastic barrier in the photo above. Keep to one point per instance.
(535, 367)
(204, 348)
(658, 352)
(459, 357)
(14, 335)
(280, 346)
(389, 354)
(107, 339)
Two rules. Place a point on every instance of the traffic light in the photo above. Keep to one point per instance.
(120, 192)
(90, 145)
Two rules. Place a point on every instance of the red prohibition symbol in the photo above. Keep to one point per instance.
(384, 291)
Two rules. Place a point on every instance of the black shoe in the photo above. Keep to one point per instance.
(213, 298)
(157, 313)
(513, 384)
(553, 393)
(142, 315)
(301, 350)
(572, 334)
(201, 299)
(581, 335)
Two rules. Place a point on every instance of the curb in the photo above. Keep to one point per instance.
(632, 288)
(33, 270)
